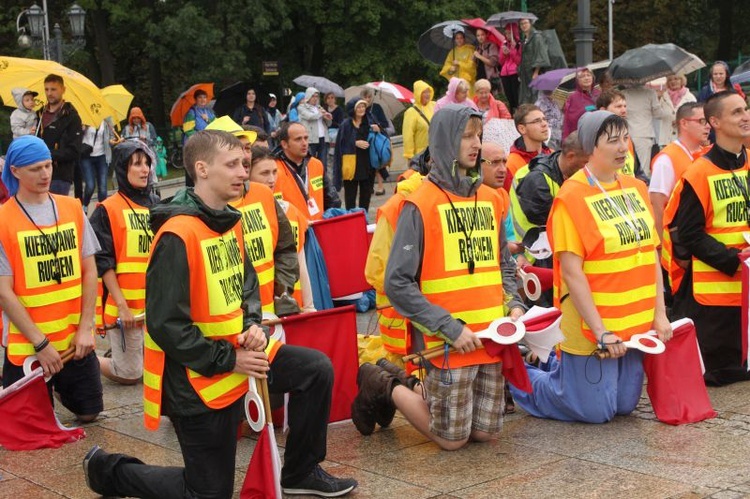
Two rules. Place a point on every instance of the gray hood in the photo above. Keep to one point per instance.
(18, 97)
(446, 130)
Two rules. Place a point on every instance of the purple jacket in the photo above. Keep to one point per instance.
(575, 106)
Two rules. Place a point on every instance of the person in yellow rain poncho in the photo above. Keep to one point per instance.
(417, 120)
(460, 62)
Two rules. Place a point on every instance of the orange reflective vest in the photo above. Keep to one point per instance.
(724, 207)
(395, 329)
(286, 188)
(216, 276)
(131, 238)
(54, 308)
(475, 298)
(681, 159)
(299, 227)
(619, 244)
(260, 228)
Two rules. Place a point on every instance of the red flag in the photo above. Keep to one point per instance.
(28, 420)
(262, 480)
(675, 379)
(514, 368)
(333, 332)
(344, 239)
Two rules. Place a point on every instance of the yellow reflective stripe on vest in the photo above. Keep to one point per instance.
(57, 296)
(131, 268)
(55, 326)
(628, 321)
(488, 314)
(221, 387)
(625, 297)
(149, 343)
(27, 349)
(467, 281)
(113, 311)
(729, 238)
(266, 276)
(152, 380)
(223, 328)
(615, 265)
(151, 409)
(717, 288)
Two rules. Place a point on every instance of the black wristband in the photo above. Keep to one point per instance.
(41, 345)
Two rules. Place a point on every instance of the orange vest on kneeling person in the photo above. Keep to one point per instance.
(217, 277)
(54, 308)
(726, 212)
(286, 188)
(260, 228)
(131, 238)
(475, 298)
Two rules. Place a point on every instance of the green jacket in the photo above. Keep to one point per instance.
(168, 305)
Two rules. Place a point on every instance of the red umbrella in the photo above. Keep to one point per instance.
(493, 35)
(186, 100)
(402, 93)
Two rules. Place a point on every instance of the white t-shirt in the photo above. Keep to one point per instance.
(662, 172)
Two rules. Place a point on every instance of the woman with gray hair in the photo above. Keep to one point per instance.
(675, 95)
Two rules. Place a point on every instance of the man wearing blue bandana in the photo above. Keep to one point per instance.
(48, 281)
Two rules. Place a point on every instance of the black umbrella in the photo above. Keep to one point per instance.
(511, 16)
(435, 43)
(741, 74)
(230, 98)
(652, 61)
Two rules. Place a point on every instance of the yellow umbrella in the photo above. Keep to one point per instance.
(119, 99)
(30, 73)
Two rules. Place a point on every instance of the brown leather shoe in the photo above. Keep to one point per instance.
(408, 381)
(373, 402)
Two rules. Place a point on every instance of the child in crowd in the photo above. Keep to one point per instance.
(23, 121)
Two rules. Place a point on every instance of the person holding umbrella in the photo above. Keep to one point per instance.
(199, 115)
(510, 59)
(316, 120)
(459, 63)
(487, 57)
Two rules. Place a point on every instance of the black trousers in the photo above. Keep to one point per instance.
(209, 441)
(365, 193)
(510, 87)
(719, 331)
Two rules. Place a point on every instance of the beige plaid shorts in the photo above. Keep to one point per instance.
(465, 399)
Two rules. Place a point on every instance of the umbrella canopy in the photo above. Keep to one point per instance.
(641, 65)
(493, 35)
(119, 99)
(511, 16)
(79, 90)
(551, 79)
(741, 74)
(186, 100)
(230, 98)
(435, 43)
(324, 85)
(393, 98)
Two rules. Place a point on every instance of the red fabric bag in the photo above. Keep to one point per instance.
(333, 332)
(675, 379)
(344, 243)
(28, 420)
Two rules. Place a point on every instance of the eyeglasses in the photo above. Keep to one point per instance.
(495, 162)
(536, 121)
(702, 121)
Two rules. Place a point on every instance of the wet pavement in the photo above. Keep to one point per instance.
(632, 456)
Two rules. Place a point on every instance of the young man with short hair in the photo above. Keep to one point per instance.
(204, 344)
(532, 124)
(48, 280)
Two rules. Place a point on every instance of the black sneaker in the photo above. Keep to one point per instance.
(87, 463)
(320, 483)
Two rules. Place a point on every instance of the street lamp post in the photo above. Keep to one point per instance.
(38, 24)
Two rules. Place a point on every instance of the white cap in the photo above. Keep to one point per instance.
(273, 96)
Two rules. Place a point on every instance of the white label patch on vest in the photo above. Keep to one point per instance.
(222, 260)
(41, 268)
(617, 230)
(312, 207)
(257, 233)
(139, 235)
(481, 247)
